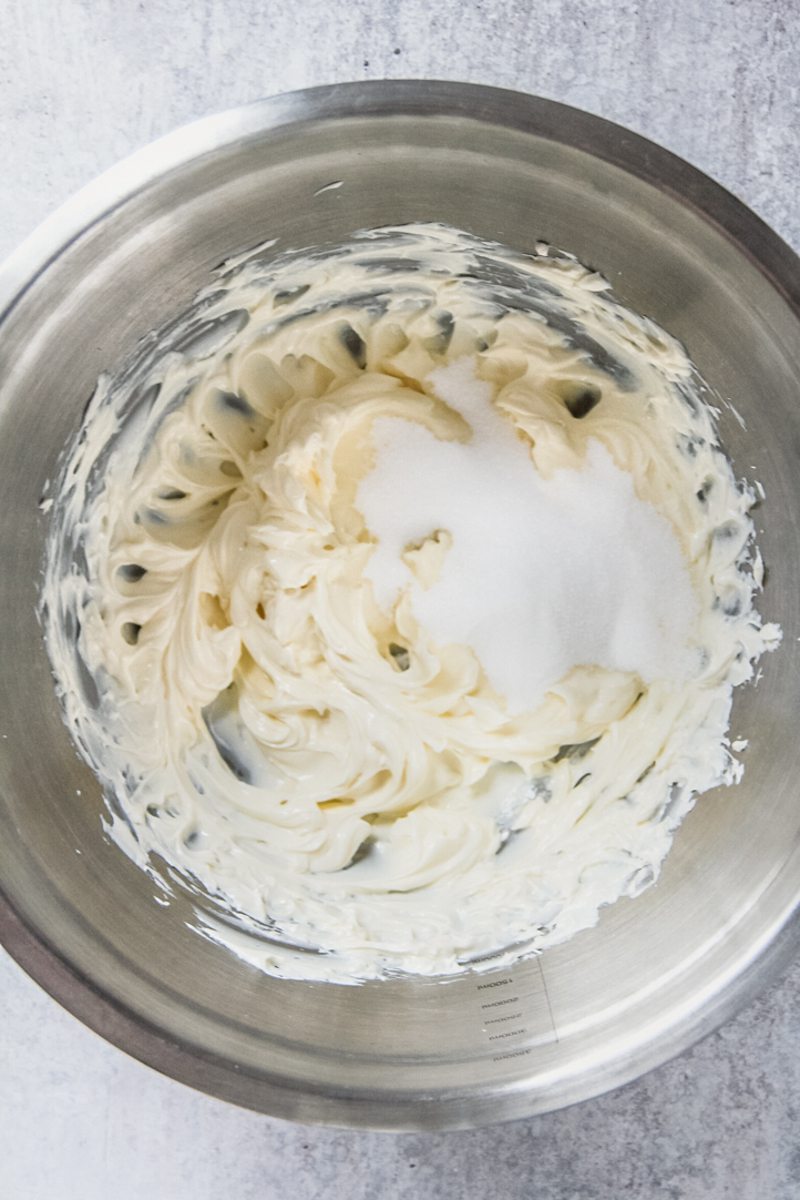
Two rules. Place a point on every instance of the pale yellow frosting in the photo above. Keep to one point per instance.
(295, 744)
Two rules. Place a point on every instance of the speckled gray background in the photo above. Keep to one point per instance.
(83, 82)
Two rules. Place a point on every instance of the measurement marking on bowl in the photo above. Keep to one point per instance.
(502, 1011)
(547, 999)
(514, 1016)
(492, 1002)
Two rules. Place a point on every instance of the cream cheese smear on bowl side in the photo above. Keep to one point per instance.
(396, 593)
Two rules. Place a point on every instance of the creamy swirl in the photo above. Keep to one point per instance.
(284, 721)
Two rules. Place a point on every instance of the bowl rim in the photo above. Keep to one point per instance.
(755, 968)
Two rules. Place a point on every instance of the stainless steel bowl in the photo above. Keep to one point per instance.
(132, 249)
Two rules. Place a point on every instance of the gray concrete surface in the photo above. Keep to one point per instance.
(83, 82)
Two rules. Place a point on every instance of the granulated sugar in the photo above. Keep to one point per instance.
(543, 574)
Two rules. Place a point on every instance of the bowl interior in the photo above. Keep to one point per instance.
(655, 972)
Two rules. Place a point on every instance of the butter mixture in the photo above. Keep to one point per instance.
(397, 592)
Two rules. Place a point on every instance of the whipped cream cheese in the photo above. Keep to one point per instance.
(396, 592)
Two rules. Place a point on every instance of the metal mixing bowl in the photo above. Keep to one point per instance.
(131, 250)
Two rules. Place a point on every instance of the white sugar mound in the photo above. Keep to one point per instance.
(543, 574)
